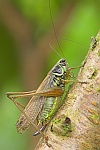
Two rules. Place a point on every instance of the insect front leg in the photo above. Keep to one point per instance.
(75, 67)
(69, 75)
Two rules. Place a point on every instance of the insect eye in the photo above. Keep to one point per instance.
(63, 62)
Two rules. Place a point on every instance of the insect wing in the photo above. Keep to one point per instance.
(31, 110)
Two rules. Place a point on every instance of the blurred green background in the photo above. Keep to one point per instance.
(25, 54)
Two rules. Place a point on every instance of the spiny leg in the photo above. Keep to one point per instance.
(16, 103)
(35, 126)
(19, 106)
(75, 67)
(68, 75)
(49, 92)
(22, 94)
(55, 91)
(19, 95)
(14, 95)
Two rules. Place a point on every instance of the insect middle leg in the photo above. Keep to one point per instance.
(75, 67)
(68, 75)
(76, 81)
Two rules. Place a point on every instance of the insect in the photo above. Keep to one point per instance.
(45, 100)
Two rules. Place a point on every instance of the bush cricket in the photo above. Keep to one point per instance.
(45, 100)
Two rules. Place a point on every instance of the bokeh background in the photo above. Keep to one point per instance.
(26, 57)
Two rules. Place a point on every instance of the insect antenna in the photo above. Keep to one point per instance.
(54, 31)
(55, 50)
(72, 41)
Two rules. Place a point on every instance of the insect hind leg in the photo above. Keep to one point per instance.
(41, 129)
(46, 137)
(19, 105)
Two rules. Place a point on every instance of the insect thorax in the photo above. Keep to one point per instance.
(58, 73)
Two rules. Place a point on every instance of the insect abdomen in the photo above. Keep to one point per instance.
(51, 105)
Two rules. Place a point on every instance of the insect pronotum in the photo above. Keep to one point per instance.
(45, 100)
